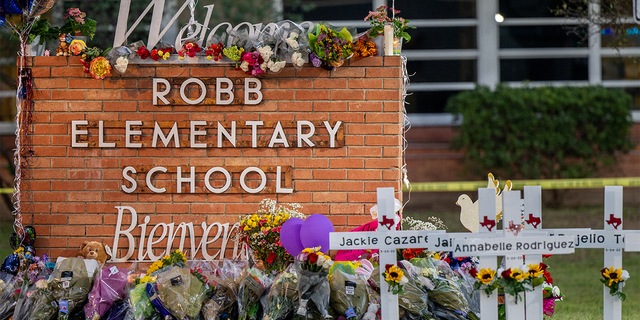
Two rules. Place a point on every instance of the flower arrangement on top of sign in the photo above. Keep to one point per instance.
(261, 233)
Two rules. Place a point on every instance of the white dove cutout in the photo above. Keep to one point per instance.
(469, 209)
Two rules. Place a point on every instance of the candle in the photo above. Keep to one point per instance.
(388, 40)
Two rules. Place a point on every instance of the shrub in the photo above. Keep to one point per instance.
(541, 133)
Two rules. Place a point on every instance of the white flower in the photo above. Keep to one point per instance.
(427, 283)
(265, 53)
(297, 60)
(263, 66)
(276, 66)
(293, 43)
(327, 264)
(244, 66)
(624, 275)
(121, 64)
(556, 291)
(41, 284)
(321, 260)
(404, 280)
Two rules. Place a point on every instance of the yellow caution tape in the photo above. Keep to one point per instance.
(6, 190)
(518, 184)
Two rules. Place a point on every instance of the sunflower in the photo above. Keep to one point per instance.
(614, 275)
(535, 270)
(518, 274)
(486, 275)
(394, 274)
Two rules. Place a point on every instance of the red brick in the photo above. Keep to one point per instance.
(382, 140)
(392, 83)
(358, 220)
(384, 72)
(295, 83)
(41, 72)
(140, 72)
(346, 186)
(330, 174)
(364, 129)
(384, 117)
(332, 83)
(349, 209)
(173, 71)
(347, 163)
(289, 106)
(47, 196)
(366, 62)
(354, 72)
(347, 94)
(67, 207)
(363, 197)
(84, 83)
(48, 174)
(44, 83)
(392, 61)
(75, 72)
(86, 219)
(103, 94)
(392, 106)
(358, 83)
(383, 163)
(50, 106)
(330, 106)
(207, 72)
(85, 196)
(384, 95)
(67, 185)
(331, 197)
(67, 94)
(313, 186)
(277, 95)
(85, 106)
(309, 72)
(49, 61)
(372, 186)
(364, 174)
(365, 106)
(120, 83)
(85, 174)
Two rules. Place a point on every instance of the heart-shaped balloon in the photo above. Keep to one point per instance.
(11, 264)
(29, 237)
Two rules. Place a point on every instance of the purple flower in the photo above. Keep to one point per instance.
(315, 60)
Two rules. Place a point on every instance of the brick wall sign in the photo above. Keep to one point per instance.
(171, 155)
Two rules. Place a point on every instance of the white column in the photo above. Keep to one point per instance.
(488, 43)
(389, 307)
(595, 58)
(612, 306)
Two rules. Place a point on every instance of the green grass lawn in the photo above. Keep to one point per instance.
(578, 274)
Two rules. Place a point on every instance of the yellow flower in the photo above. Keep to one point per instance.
(181, 57)
(436, 256)
(486, 275)
(518, 274)
(76, 47)
(155, 267)
(535, 270)
(209, 58)
(165, 55)
(394, 274)
(614, 275)
(308, 250)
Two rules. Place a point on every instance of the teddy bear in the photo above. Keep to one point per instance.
(93, 250)
(63, 47)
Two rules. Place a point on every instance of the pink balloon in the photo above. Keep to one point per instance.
(290, 236)
(315, 232)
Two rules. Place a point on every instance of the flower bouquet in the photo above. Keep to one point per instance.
(614, 279)
(330, 47)
(294, 44)
(513, 281)
(190, 49)
(107, 289)
(261, 232)
(414, 297)
(77, 23)
(251, 285)
(443, 284)
(180, 290)
(222, 302)
(379, 18)
(9, 295)
(239, 42)
(349, 293)
(67, 289)
(312, 268)
(282, 296)
(141, 307)
(486, 280)
(34, 276)
(550, 294)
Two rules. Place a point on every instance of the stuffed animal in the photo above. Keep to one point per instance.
(63, 47)
(93, 250)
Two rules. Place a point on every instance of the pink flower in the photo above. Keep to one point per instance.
(79, 20)
(265, 231)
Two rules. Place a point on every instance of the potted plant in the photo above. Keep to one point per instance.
(379, 18)
(40, 33)
(76, 24)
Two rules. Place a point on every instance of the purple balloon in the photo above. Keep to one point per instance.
(290, 236)
(315, 232)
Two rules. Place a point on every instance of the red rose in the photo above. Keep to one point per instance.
(143, 52)
(313, 257)
(506, 274)
(547, 277)
(272, 256)
(387, 267)
(154, 54)
(543, 266)
(473, 272)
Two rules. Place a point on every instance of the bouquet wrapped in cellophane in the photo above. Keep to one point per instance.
(282, 296)
(349, 290)
(251, 285)
(222, 302)
(66, 291)
(330, 47)
(312, 268)
(33, 278)
(442, 283)
(107, 289)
